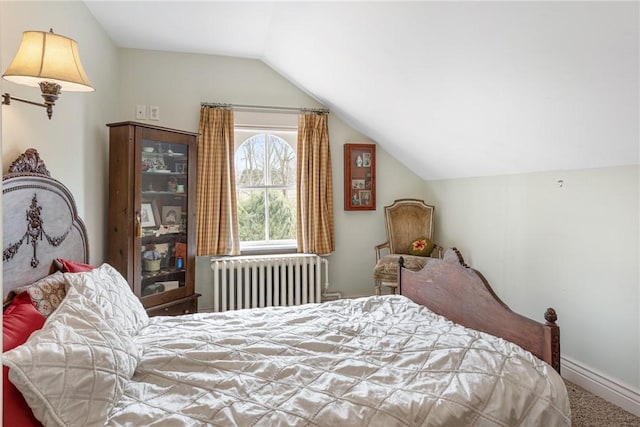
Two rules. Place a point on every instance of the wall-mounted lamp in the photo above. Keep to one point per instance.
(50, 61)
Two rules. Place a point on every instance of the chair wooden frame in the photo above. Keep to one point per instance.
(405, 220)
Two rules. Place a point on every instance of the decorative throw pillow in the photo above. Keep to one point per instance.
(422, 246)
(68, 266)
(106, 288)
(19, 321)
(46, 293)
(73, 370)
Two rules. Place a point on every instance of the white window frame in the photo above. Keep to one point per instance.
(288, 133)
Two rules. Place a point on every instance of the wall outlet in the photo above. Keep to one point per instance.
(154, 112)
(141, 112)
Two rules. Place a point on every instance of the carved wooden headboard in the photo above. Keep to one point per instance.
(40, 223)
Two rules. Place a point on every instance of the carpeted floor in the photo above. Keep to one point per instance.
(588, 410)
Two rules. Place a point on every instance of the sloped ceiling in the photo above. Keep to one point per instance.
(451, 89)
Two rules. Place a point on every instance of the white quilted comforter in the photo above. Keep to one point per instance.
(377, 361)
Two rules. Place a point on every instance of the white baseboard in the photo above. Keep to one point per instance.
(596, 383)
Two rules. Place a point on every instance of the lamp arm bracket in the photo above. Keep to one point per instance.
(7, 97)
(6, 100)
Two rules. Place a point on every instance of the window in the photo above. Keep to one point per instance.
(265, 167)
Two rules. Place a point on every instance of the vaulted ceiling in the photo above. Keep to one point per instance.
(451, 89)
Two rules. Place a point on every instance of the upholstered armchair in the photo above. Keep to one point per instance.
(409, 225)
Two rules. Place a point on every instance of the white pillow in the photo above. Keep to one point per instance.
(73, 370)
(106, 287)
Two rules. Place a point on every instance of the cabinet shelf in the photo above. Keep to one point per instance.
(177, 156)
(149, 277)
(163, 173)
(164, 193)
(164, 238)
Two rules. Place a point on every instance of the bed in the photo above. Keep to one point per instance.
(98, 359)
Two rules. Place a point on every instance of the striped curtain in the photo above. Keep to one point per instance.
(217, 219)
(314, 185)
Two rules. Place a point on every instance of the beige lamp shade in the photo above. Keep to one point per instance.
(48, 57)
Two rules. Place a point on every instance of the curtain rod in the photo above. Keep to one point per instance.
(264, 108)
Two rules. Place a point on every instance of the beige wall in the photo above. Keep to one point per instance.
(575, 248)
(178, 83)
(74, 142)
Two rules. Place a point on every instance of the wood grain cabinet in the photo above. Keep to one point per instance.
(152, 214)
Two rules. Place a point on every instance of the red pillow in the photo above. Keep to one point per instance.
(19, 320)
(67, 266)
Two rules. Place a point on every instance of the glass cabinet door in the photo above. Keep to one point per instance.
(152, 187)
(163, 217)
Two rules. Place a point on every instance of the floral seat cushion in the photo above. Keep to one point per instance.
(386, 269)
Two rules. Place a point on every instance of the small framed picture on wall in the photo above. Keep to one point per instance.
(359, 177)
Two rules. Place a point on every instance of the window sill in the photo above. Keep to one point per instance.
(263, 250)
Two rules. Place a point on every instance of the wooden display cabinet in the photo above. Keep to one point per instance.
(152, 214)
(359, 177)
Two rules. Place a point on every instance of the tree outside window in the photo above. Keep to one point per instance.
(265, 165)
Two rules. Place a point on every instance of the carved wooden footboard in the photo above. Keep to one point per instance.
(452, 289)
